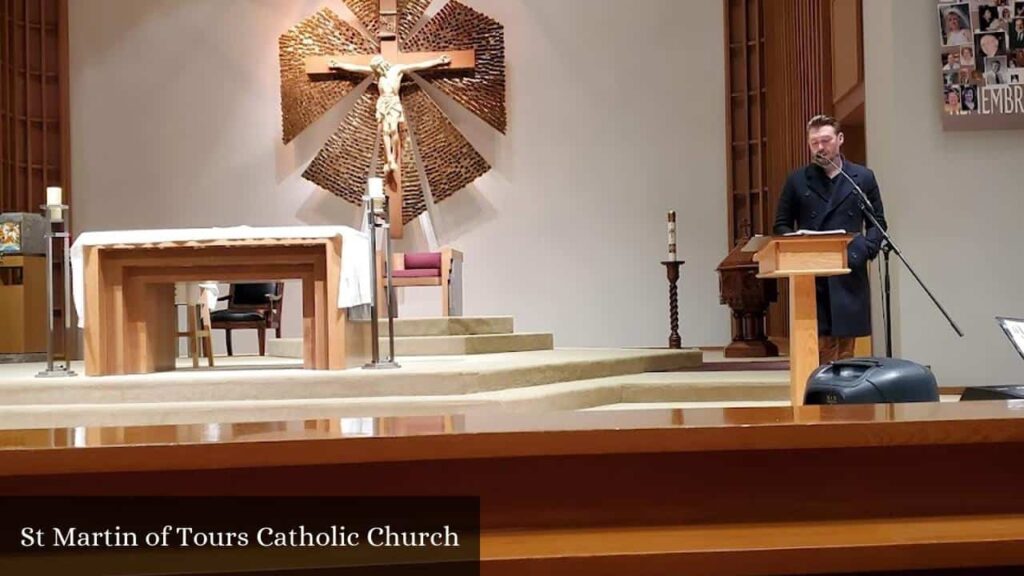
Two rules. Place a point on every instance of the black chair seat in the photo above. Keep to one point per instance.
(235, 316)
(251, 306)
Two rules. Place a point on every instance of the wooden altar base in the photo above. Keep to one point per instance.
(131, 322)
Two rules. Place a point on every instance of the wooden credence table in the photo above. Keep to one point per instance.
(131, 321)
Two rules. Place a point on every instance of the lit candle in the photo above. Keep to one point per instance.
(672, 235)
(376, 187)
(55, 197)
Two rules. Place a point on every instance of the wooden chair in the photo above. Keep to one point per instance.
(254, 306)
(197, 310)
(442, 269)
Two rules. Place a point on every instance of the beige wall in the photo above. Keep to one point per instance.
(616, 116)
(954, 202)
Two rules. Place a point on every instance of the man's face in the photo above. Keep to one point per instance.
(990, 45)
(1018, 25)
(379, 65)
(825, 141)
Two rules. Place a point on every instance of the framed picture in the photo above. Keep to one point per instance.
(989, 45)
(1016, 33)
(953, 100)
(988, 18)
(995, 71)
(955, 24)
(981, 64)
(969, 99)
(10, 237)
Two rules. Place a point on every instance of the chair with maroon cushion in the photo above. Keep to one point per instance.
(442, 269)
(251, 306)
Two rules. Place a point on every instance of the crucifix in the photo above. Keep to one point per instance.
(388, 69)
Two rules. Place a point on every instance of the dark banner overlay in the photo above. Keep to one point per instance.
(310, 536)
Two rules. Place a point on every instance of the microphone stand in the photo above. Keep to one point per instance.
(888, 245)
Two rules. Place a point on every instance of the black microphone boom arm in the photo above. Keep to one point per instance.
(889, 245)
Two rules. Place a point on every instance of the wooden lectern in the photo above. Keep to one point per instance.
(801, 259)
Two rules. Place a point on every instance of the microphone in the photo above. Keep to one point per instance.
(823, 161)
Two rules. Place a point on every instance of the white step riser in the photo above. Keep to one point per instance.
(463, 345)
(451, 326)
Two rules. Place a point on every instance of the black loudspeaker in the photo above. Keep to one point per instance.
(871, 381)
(993, 393)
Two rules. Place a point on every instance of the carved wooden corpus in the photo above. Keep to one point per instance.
(475, 78)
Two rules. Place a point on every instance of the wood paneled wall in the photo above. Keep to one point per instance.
(33, 102)
(746, 121)
(786, 60)
(798, 50)
(34, 127)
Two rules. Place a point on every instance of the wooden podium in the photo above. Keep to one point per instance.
(801, 259)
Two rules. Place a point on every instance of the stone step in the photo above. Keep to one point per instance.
(441, 376)
(284, 347)
(450, 326)
(471, 344)
(437, 345)
(442, 337)
(626, 391)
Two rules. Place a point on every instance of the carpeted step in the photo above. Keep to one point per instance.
(470, 344)
(419, 376)
(450, 326)
(442, 336)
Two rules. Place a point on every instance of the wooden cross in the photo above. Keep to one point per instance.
(319, 66)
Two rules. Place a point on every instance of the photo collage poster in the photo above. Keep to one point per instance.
(982, 63)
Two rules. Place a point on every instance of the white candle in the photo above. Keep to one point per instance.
(376, 187)
(672, 235)
(55, 197)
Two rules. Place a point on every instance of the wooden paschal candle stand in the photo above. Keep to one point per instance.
(672, 266)
(674, 341)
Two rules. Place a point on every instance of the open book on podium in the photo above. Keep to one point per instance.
(759, 241)
(801, 257)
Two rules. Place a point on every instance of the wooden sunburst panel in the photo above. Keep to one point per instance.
(458, 27)
(305, 99)
(448, 160)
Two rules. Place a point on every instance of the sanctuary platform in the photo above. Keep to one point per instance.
(264, 390)
(276, 388)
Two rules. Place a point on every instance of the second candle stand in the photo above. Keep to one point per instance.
(377, 218)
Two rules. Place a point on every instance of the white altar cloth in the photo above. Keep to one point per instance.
(355, 286)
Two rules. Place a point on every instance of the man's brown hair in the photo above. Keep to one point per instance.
(821, 120)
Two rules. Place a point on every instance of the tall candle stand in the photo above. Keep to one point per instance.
(377, 217)
(674, 340)
(672, 265)
(56, 214)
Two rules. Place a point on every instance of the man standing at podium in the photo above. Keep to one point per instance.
(820, 196)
